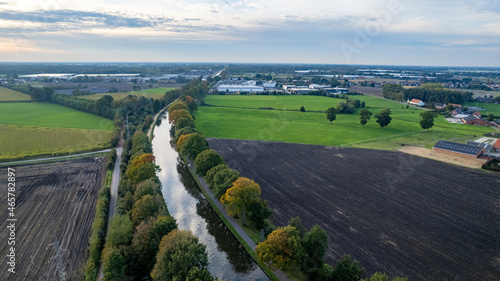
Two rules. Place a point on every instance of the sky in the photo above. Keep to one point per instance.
(385, 32)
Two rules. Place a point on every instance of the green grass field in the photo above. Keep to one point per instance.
(50, 115)
(313, 128)
(155, 93)
(31, 129)
(490, 107)
(10, 95)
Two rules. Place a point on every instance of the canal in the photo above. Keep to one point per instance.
(228, 260)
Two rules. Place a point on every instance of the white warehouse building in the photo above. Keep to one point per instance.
(240, 88)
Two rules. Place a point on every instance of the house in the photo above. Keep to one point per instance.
(459, 149)
(488, 148)
(456, 105)
(416, 102)
(439, 105)
(476, 120)
(494, 142)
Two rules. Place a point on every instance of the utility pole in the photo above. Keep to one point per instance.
(58, 258)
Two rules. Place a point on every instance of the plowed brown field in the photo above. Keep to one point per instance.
(53, 199)
(394, 212)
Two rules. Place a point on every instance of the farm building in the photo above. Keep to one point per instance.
(416, 102)
(337, 90)
(439, 105)
(495, 143)
(476, 120)
(458, 148)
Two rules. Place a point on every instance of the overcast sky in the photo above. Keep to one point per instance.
(437, 32)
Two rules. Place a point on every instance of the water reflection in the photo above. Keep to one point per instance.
(228, 260)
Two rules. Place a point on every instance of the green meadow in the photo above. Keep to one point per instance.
(34, 129)
(238, 117)
(489, 108)
(10, 95)
(155, 93)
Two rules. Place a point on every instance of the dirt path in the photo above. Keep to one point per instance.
(442, 156)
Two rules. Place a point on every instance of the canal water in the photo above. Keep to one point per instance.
(227, 259)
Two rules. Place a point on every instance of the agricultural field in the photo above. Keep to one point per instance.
(30, 129)
(239, 117)
(155, 93)
(371, 91)
(393, 212)
(10, 95)
(53, 199)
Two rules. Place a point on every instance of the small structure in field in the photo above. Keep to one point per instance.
(459, 149)
(416, 102)
(438, 105)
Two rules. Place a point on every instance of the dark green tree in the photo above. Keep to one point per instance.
(315, 244)
(183, 122)
(348, 270)
(302, 109)
(364, 116)
(331, 114)
(194, 145)
(490, 117)
(427, 119)
(259, 213)
(384, 117)
(206, 160)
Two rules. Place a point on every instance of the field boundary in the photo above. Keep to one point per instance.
(34, 160)
(219, 212)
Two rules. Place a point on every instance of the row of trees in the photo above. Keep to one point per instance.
(383, 117)
(295, 249)
(428, 93)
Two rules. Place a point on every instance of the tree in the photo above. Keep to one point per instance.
(378, 276)
(194, 145)
(223, 180)
(302, 109)
(184, 131)
(297, 223)
(180, 142)
(178, 114)
(331, 114)
(238, 198)
(282, 249)
(490, 117)
(315, 244)
(114, 265)
(177, 105)
(206, 160)
(183, 122)
(348, 270)
(144, 208)
(209, 176)
(259, 213)
(364, 116)
(383, 117)
(427, 119)
(181, 255)
(120, 231)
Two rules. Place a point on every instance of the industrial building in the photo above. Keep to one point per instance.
(473, 151)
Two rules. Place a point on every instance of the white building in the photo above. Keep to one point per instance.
(269, 84)
(239, 88)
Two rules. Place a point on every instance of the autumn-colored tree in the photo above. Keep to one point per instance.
(282, 249)
(206, 160)
(178, 114)
(136, 163)
(188, 100)
(176, 106)
(181, 141)
(238, 198)
(191, 103)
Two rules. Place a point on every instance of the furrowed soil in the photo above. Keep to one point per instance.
(393, 212)
(53, 199)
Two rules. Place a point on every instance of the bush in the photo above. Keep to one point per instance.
(206, 160)
(492, 165)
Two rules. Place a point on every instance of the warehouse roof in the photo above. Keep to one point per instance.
(458, 147)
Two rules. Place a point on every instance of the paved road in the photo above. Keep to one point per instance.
(54, 158)
(115, 180)
(234, 223)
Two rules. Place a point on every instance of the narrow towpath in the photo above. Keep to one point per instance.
(234, 223)
(115, 181)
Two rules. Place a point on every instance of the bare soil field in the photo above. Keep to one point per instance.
(370, 91)
(53, 199)
(394, 212)
(442, 156)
